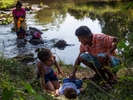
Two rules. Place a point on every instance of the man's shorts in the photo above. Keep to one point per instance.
(114, 61)
(93, 60)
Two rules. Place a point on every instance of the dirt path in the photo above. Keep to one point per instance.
(81, 72)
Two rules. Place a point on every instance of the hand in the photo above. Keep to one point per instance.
(81, 89)
(56, 93)
(60, 72)
(43, 84)
(72, 76)
(108, 57)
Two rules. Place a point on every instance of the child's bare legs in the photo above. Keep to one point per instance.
(57, 93)
(53, 86)
(56, 85)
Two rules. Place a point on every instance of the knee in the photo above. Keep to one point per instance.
(101, 59)
(81, 59)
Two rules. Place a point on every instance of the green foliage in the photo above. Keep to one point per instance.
(124, 88)
(6, 4)
(16, 78)
(7, 94)
(32, 92)
(128, 6)
(6, 21)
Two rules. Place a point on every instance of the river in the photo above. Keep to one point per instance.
(62, 27)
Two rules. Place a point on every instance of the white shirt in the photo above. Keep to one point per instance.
(68, 85)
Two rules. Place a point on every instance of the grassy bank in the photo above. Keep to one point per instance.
(6, 3)
(18, 82)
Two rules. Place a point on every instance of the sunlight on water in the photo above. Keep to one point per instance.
(65, 31)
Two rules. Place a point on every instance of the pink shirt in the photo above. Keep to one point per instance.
(101, 43)
(20, 13)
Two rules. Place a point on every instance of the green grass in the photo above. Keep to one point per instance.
(7, 3)
(18, 79)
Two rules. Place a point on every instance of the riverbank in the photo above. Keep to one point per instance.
(18, 81)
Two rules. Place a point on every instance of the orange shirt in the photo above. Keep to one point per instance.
(101, 43)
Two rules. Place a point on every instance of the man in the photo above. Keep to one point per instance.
(97, 51)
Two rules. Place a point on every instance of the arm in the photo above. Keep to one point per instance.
(58, 67)
(24, 15)
(14, 18)
(77, 63)
(116, 40)
(41, 72)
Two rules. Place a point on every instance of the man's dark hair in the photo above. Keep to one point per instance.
(83, 31)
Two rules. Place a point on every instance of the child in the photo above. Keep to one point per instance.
(96, 51)
(45, 70)
(71, 88)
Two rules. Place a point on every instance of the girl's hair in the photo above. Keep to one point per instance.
(70, 93)
(43, 54)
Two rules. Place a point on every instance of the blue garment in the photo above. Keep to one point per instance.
(49, 77)
(93, 60)
(114, 61)
(68, 85)
(77, 82)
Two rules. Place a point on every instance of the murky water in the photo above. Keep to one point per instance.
(62, 26)
(12, 46)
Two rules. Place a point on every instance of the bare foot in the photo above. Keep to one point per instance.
(81, 89)
(56, 94)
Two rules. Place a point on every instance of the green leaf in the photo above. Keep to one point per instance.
(7, 94)
(40, 98)
(29, 88)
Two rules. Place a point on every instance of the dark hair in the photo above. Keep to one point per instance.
(70, 93)
(19, 3)
(43, 53)
(83, 31)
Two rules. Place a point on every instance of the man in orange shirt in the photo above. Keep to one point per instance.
(97, 51)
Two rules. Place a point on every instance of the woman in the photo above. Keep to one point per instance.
(19, 15)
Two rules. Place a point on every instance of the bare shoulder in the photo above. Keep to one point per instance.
(39, 64)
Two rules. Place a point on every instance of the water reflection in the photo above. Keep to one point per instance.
(61, 23)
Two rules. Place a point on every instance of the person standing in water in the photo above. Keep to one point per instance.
(19, 15)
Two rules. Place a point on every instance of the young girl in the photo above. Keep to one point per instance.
(45, 70)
